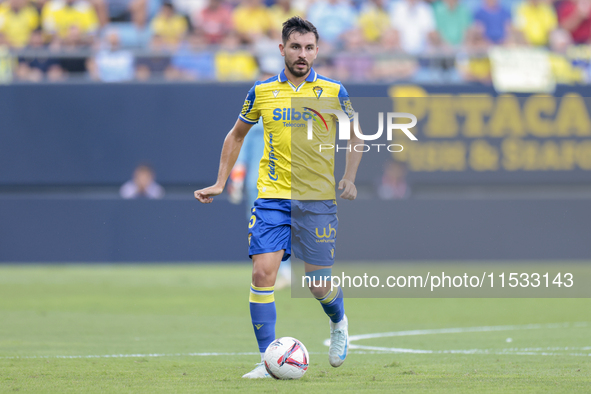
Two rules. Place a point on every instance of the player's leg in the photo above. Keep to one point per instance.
(269, 243)
(314, 228)
(331, 300)
(262, 297)
(262, 304)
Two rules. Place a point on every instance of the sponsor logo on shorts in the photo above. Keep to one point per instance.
(324, 237)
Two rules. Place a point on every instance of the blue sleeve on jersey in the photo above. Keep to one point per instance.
(343, 92)
(346, 102)
(248, 106)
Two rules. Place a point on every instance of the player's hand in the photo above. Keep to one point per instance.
(206, 195)
(348, 188)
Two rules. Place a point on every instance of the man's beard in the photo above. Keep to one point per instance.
(296, 73)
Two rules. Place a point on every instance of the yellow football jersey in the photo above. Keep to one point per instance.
(17, 26)
(296, 164)
(58, 17)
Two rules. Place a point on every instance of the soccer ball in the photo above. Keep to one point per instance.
(286, 358)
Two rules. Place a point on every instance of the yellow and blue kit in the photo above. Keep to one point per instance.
(296, 207)
(276, 100)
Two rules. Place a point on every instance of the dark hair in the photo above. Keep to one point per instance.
(297, 24)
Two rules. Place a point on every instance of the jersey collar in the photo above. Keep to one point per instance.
(311, 77)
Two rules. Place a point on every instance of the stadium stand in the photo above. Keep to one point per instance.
(448, 41)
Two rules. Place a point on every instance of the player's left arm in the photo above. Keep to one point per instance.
(353, 158)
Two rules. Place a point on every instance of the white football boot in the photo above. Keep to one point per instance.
(258, 372)
(339, 342)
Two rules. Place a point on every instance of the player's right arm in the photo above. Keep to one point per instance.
(230, 151)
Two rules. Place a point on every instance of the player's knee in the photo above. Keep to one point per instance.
(318, 291)
(263, 276)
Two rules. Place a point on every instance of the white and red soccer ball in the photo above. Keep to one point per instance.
(286, 358)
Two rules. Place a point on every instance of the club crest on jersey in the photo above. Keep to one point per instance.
(317, 91)
(275, 93)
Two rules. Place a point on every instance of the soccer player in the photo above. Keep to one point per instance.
(296, 206)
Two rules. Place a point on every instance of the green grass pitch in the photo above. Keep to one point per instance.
(149, 328)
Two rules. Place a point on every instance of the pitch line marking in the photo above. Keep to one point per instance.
(360, 349)
(134, 355)
(459, 330)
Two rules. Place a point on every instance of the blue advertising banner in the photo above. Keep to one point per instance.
(95, 134)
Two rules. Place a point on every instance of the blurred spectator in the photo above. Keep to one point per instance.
(494, 20)
(132, 35)
(453, 20)
(472, 63)
(157, 64)
(69, 19)
(73, 47)
(281, 11)
(38, 4)
(514, 38)
(474, 68)
(17, 20)
(135, 11)
(415, 24)
(332, 18)
(323, 66)
(215, 21)
(6, 61)
(233, 63)
(393, 185)
(143, 185)
(194, 61)
(111, 63)
(36, 68)
(536, 20)
(389, 64)
(575, 17)
(169, 25)
(251, 20)
(374, 20)
(562, 68)
(102, 11)
(355, 63)
(268, 56)
(188, 8)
